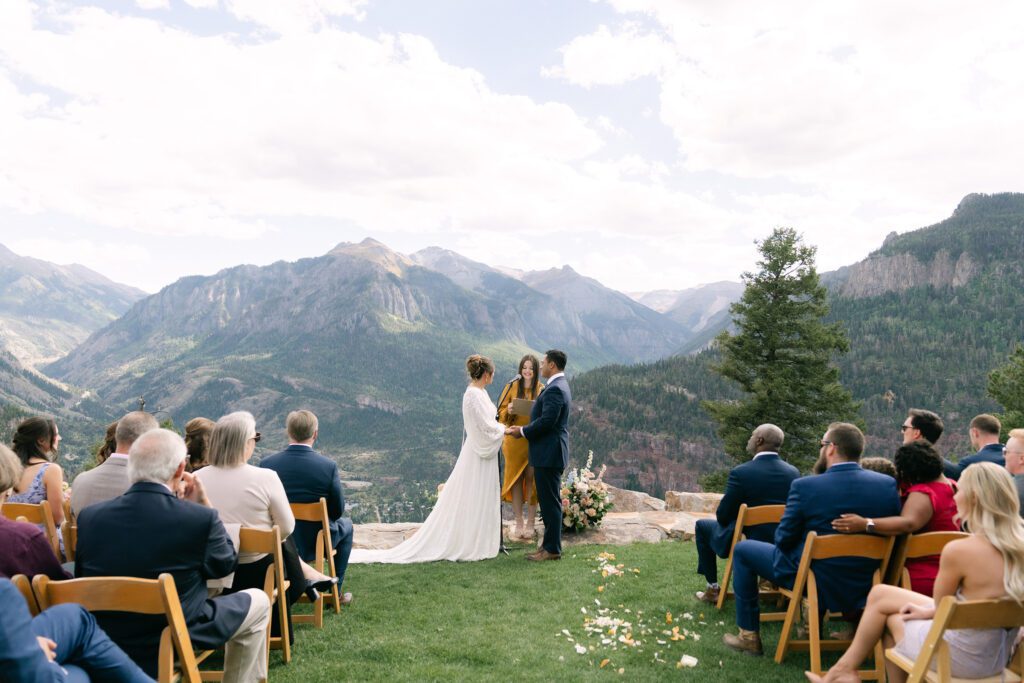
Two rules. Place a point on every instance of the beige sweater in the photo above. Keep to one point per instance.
(250, 496)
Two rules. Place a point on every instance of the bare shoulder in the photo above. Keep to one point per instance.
(53, 472)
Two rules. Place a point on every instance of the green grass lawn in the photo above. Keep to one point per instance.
(505, 620)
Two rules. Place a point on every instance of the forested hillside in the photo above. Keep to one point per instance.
(929, 341)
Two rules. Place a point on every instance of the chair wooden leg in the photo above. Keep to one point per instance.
(787, 626)
(726, 578)
(814, 635)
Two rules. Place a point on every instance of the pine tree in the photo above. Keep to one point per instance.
(781, 354)
(1006, 385)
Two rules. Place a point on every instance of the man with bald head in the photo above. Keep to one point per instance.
(109, 479)
(764, 480)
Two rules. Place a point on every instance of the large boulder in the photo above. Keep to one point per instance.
(633, 501)
(382, 536)
(685, 501)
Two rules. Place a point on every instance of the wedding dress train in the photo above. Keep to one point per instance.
(464, 524)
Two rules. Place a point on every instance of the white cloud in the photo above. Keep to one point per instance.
(894, 110)
(606, 58)
(153, 4)
(84, 252)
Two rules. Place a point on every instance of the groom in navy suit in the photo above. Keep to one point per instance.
(548, 434)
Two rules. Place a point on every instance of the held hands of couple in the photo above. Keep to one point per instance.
(514, 432)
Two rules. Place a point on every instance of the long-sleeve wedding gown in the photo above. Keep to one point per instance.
(464, 524)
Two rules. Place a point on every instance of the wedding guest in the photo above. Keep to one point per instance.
(763, 480)
(110, 479)
(928, 505)
(26, 549)
(813, 503)
(307, 477)
(518, 486)
(984, 435)
(988, 565)
(164, 523)
(878, 464)
(1014, 461)
(252, 497)
(62, 643)
(35, 442)
(109, 444)
(197, 440)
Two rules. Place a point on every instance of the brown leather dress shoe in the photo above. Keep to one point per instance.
(710, 594)
(542, 556)
(747, 642)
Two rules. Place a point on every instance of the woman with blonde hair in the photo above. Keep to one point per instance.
(518, 486)
(988, 565)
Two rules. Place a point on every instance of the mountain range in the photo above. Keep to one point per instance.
(374, 342)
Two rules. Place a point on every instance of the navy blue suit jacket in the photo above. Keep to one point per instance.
(990, 453)
(21, 658)
(843, 583)
(307, 477)
(144, 533)
(548, 431)
(764, 480)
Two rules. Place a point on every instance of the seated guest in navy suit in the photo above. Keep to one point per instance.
(764, 480)
(164, 523)
(62, 643)
(984, 434)
(307, 477)
(813, 503)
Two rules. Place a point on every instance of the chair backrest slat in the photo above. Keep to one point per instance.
(851, 545)
(931, 543)
(252, 540)
(987, 614)
(763, 514)
(102, 594)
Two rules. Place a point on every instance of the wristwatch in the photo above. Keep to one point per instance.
(870, 526)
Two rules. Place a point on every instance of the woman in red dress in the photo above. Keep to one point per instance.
(927, 506)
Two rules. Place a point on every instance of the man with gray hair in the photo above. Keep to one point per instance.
(163, 523)
(1014, 462)
(764, 480)
(109, 479)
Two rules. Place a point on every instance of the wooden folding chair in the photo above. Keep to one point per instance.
(950, 615)
(24, 587)
(275, 585)
(140, 596)
(746, 517)
(823, 548)
(69, 532)
(920, 545)
(317, 512)
(36, 513)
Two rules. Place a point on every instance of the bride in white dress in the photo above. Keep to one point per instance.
(464, 524)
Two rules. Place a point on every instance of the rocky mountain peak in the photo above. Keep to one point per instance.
(375, 252)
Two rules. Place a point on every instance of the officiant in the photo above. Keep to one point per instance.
(518, 486)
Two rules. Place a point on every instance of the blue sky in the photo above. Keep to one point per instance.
(646, 143)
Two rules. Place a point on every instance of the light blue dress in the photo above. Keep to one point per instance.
(33, 495)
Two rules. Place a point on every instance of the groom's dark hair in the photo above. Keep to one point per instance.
(557, 357)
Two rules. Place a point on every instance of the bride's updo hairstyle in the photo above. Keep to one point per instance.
(477, 366)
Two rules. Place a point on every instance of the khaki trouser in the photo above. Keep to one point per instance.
(245, 656)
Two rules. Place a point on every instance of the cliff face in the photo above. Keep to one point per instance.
(879, 274)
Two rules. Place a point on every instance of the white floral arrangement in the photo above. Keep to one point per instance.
(585, 498)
